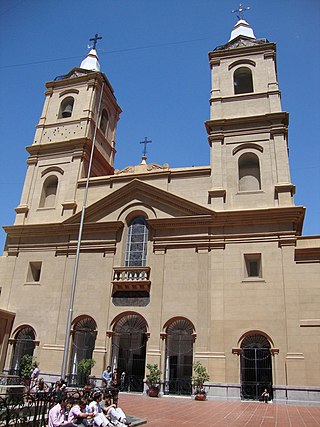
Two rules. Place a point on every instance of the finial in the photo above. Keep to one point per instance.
(144, 152)
(94, 40)
(240, 11)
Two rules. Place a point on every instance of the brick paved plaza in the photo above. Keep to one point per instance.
(175, 411)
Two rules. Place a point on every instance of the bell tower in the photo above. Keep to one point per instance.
(247, 128)
(79, 108)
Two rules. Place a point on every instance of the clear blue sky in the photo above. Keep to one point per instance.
(154, 53)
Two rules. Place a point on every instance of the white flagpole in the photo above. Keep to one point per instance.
(76, 262)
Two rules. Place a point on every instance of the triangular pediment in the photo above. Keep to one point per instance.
(143, 194)
(241, 41)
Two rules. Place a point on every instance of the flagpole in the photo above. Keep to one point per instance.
(76, 262)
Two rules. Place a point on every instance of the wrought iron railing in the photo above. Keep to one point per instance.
(132, 383)
(179, 386)
(31, 409)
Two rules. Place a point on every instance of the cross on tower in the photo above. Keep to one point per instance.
(145, 142)
(241, 9)
(94, 40)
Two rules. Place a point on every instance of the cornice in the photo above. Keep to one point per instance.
(59, 229)
(293, 215)
(70, 146)
(242, 51)
(168, 174)
(272, 122)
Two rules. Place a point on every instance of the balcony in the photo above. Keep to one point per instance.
(131, 279)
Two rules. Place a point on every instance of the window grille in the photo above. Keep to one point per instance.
(24, 344)
(136, 249)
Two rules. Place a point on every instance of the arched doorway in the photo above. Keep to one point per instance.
(256, 366)
(23, 344)
(179, 357)
(129, 351)
(83, 341)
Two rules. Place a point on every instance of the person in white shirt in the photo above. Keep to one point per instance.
(78, 414)
(95, 408)
(115, 414)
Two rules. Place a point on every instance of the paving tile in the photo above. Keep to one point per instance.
(185, 412)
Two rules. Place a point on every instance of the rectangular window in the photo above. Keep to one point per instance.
(252, 265)
(34, 271)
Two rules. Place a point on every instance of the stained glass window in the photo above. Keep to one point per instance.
(136, 250)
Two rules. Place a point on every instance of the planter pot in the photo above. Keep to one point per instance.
(200, 396)
(154, 392)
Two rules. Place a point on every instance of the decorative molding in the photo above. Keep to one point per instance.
(247, 145)
(209, 355)
(72, 204)
(68, 91)
(218, 192)
(52, 169)
(295, 356)
(309, 323)
(307, 255)
(285, 188)
(22, 209)
(287, 241)
(243, 61)
(237, 351)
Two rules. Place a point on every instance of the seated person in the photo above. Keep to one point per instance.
(57, 415)
(95, 408)
(107, 376)
(265, 396)
(78, 414)
(114, 414)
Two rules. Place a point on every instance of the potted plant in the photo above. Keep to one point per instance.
(26, 368)
(153, 380)
(200, 377)
(84, 370)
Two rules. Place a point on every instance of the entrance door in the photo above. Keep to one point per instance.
(83, 342)
(129, 351)
(179, 357)
(256, 367)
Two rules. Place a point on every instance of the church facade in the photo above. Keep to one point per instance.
(173, 266)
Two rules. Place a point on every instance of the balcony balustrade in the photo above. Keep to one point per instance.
(131, 279)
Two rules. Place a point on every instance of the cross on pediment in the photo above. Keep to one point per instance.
(145, 142)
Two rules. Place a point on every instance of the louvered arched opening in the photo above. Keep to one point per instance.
(129, 350)
(179, 357)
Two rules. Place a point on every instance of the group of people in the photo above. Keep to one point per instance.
(97, 411)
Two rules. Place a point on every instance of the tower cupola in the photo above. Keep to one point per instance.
(91, 61)
(242, 28)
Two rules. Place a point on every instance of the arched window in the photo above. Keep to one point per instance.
(66, 108)
(129, 350)
(24, 344)
(136, 250)
(249, 172)
(49, 192)
(104, 121)
(256, 366)
(83, 342)
(242, 80)
(179, 357)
